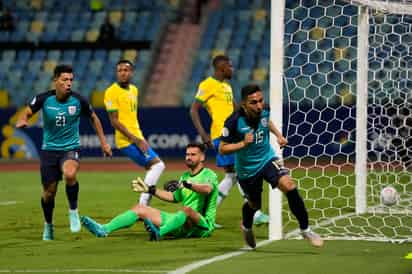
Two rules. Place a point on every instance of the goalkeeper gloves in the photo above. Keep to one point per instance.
(187, 185)
(139, 186)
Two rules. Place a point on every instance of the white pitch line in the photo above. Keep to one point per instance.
(195, 265)
(84, 270)
(4, 203)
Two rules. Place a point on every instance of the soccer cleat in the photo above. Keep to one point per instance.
(409, 256)
(248, 236)
(152, 229)
(94, 227)
(48, 232)
(262, 218)
(312, 237)
(74, 220)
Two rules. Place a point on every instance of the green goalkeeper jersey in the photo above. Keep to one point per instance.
(204, 204)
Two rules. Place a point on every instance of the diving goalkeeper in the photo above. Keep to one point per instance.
(196, 190)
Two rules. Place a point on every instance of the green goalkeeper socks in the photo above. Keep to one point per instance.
(125, 219)
(176, 221)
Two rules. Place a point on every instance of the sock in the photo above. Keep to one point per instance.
(48, 210)
(247, 216)
(72, 193)
(177, 220)
(151, 178)
(123, 220)
(224, 186)
(298, 209)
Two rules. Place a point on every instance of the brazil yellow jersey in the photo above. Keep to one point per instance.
(217, 97)
(125, 102)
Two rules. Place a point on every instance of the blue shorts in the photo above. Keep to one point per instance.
(223, 160)
(271, 172)
(140, 158)
(51, 163)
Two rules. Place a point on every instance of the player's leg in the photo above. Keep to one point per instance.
(50, 174)
(252, 188)
(278, 176)
(70, 167)
(151, 162)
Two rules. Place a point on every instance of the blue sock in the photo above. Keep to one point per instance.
(72, 193)
(48, 210)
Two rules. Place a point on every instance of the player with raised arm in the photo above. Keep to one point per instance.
(196, 191)
(121, 102)
(59, 155)
(216, 96)
(246, 133)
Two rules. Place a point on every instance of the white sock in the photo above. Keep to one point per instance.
(224, 186)
(151, 178)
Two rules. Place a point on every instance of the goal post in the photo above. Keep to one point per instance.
(342, 70)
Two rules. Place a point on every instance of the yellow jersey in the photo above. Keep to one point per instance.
(217, 97)
(125, 102)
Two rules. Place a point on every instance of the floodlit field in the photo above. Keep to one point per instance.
(104, 194)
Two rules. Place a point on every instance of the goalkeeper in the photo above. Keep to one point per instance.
(196, 190)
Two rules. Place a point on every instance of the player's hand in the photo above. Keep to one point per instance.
(282, 141)
(207, 142)
(142, 145)
(139, 186)
(248, 138)
(107, 150)
(22, 123)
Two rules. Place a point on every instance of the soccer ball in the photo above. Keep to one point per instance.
(389, 196)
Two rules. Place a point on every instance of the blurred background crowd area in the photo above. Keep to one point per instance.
(171, 42)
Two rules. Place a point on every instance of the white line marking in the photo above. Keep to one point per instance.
(9, 203)
(198, 264)
(80, 270)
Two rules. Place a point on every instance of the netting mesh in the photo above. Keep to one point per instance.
(320, 66)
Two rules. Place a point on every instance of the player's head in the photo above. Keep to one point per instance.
(124, 72)
(195, 155)
(63, 78)
(252, 100)
(223, 67)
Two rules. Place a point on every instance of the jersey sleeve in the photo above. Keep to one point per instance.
(229, 131)
(86, 107)
(203, 93)
(110, 101)
(36, 103)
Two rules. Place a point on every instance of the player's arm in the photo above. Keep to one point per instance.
(282, 141)
(203, 189)
(97, 125)
(228, 148)
(194, 114)
(114, 120)
(24, 117)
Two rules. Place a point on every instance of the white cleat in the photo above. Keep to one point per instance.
(312, 237)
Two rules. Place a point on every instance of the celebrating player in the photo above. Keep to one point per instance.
(215, 94)
(59, 156)
(246, 133)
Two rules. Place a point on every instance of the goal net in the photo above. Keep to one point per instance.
(347, 113)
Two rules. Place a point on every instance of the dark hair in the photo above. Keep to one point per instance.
(200, 146)
(218, 59)
(249, 89)
(62, 69)
(125, 61)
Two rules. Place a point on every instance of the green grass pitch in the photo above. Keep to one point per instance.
(105, 194)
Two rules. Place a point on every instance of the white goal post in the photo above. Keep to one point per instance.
(342, 70)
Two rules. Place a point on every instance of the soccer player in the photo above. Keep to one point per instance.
(197, 193)
(121, 102)
(246, 133)
(215, 95)
(59, 155)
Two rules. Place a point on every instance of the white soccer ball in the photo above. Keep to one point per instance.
(389, 196)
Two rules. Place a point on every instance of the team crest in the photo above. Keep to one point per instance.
(264, 122)
(72, 110)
